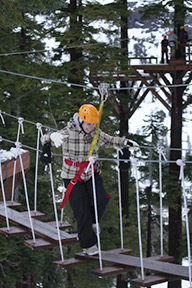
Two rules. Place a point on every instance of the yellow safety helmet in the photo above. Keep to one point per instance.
(89, 114)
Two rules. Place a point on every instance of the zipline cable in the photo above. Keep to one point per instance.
(93, 87)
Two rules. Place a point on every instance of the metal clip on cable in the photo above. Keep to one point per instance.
(103, 90)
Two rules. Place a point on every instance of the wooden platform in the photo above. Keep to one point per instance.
(7, 173)
(42, 229)
(107, 271)
(158, 267)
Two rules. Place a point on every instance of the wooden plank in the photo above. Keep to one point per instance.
(40, 228)
(39, 243)
(11, 204)
(149, 280)
(62, 225)
(44, 243)
(121, 251)
(158, 267)
(109, 270)
(163, 258)
(34, 214)
(70, 262)
(13, 231)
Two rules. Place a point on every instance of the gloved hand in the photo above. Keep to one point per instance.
(45, 157)
(57, 138)
(132, 145)
(125, 165)
(45, 138)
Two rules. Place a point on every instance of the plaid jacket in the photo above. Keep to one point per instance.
(76, 148)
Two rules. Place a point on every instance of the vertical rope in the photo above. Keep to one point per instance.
(134, 163)
(55, 210)
(4, 198)
(18, 146)
(20, 129)
(2, 119)
(180, 163)
(92, 161)
(161, 153)
(63, 195)
(39, 133)
(120, 200)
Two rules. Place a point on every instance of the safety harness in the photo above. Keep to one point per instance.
(103, 89)
(71, 184)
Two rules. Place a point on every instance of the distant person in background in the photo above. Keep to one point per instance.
(172, 40)
(164, 49)
(183, 38)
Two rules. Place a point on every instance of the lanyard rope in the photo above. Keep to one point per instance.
(103, 89)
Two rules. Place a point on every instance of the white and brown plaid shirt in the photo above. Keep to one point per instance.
(76, 148)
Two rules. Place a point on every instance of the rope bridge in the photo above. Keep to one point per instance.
(51, 234)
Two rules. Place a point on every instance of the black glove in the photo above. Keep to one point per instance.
(125, 165)
(45, 157)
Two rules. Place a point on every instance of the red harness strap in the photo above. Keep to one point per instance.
(71, 184)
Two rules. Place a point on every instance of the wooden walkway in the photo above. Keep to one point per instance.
(158, 267)
(45, 230)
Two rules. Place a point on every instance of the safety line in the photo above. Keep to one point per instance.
(51, 50)
(93, 87)
(102, 159)
(53, 129)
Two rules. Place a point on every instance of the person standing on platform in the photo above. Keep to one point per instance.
(164, 49)
(183, 38)
(172, 39)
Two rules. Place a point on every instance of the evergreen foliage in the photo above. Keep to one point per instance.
(80, 54)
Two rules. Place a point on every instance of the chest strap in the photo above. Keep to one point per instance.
(71, 184)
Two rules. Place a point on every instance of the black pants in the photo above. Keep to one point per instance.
(164, 54)
(82, 202)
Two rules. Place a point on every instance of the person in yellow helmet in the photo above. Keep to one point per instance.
(76, 139)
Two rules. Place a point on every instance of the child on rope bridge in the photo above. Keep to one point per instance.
(76, 139)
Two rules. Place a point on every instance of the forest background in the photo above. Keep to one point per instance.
(90, 38)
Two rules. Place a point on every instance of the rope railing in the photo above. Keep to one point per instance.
(135, 168)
